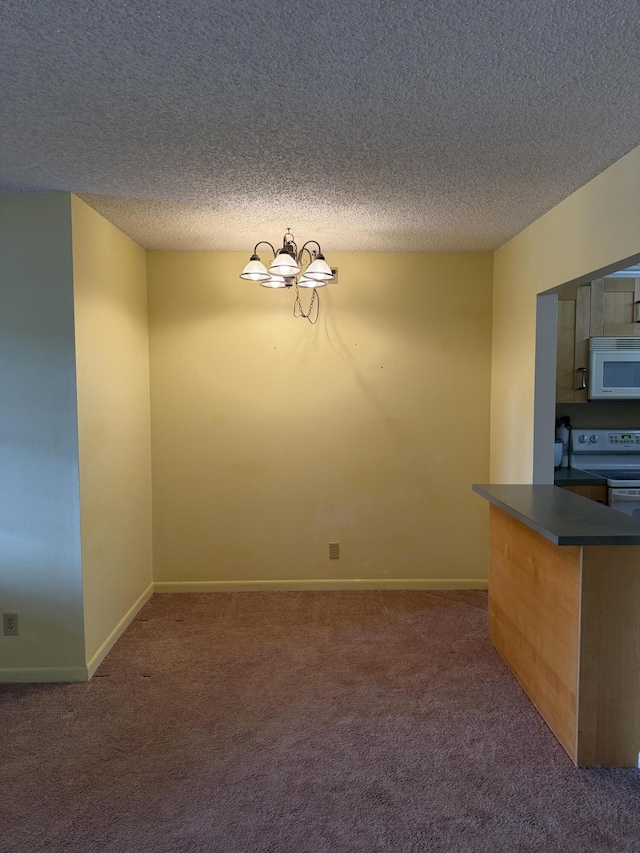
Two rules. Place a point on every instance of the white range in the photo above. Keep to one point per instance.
(614, 455)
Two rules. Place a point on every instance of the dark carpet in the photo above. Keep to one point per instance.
(300, 723)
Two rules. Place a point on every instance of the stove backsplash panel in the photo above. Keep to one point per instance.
(602, 414)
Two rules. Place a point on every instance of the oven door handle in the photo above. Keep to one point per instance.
(613, 497)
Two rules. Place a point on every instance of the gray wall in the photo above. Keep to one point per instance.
(40, 565)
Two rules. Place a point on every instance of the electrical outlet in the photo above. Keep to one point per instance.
(334, 550)
(10, 624)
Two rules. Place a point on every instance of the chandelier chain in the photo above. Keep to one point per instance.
(298, 310)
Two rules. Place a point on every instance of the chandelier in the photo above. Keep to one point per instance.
(292, 267)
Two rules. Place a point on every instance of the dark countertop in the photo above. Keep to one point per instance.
(575, 477)
(563, 517)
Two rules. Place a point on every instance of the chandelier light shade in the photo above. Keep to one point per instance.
(305, 281)
(292, 267)
(319, 270)
(274, 281)
(255, 270)
(284, 264)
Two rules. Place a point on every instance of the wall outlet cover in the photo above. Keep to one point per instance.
(10, 624)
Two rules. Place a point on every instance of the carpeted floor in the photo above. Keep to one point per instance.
(300, 723)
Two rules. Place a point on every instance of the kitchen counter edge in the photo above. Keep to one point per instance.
(575, 477)
(562, 517)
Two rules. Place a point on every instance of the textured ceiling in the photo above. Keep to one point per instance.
(367, 124)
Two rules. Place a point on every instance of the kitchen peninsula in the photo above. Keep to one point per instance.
(564, 613)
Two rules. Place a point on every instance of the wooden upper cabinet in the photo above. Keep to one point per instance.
(574, 307)
(608, 307)
(614, 307)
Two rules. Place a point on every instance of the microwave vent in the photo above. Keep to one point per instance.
(596, 344)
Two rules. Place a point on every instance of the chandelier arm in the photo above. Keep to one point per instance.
(301, 254)
(290, 243)
(266, 243)
(319, 252)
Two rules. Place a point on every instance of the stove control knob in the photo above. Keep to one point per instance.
(582, 439)
(593, 439)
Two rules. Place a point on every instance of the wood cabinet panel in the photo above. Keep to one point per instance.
(534, 595)
(583, 491)
(565, 364)
(565, 620)
(596, 312)
(614, 307)
(618, 313)
(593, 493)
(581, 341)
(574, 312)
(609, 686)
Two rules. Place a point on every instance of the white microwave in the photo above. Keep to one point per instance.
(614, 368)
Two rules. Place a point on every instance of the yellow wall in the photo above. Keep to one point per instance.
(594, 228)
(112, 356)
(272, 438)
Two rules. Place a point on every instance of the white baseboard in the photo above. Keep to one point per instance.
(329, 584)
(39, 674)
(53, 674)
(122, 625)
